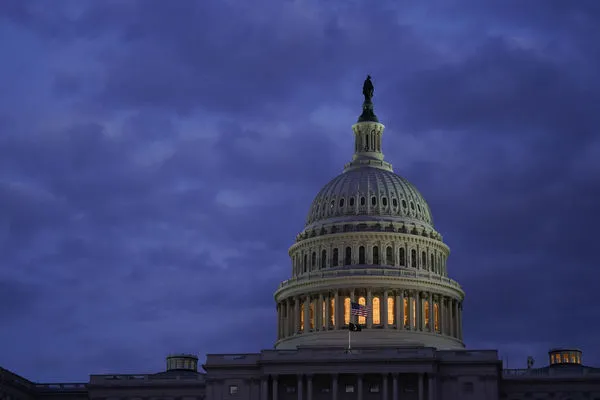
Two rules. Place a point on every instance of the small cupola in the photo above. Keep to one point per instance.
(564, 356)
(182, 362)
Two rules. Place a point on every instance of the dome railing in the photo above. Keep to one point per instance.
(403, 273)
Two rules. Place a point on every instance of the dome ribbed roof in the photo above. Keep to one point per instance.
(369, 191)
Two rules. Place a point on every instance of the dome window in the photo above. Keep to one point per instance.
(373, 200)
(412, 205)
(362, 201)
(332, 204)
(384, 201)
(342, 202)
(395, 202)
(334, 262)
(403, 203)
(348, 258)
(361, 255)
(419, 207)
(351, 201)
(376, 255)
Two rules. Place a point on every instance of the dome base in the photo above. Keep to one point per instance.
(370, 338)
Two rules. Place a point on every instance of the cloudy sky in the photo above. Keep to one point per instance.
(158, 158)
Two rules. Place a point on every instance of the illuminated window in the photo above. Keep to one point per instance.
(348, 259)
(323, 316)
(332, 312)
(363, 302)
(375, 255)
(426, 314)
(565, 358)
(413, 258)
(334, 262)
(389, 256)
(311, 308)
(406, 314)
(390, 310)
(346, 310)
(361, 255)
(573, 358)
(436, 317)
(414, 313)
(401, 257)
(324, 259)
(376, 311)
(302, 316)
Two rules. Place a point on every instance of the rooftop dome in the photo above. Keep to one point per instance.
(372, 193)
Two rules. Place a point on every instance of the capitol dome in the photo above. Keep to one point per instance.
(369, 239)
(369, 193)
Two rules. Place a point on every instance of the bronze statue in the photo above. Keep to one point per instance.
(368, 89)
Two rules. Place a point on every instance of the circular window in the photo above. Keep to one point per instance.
(351, 201)
(395, 202)
(341, 202)
(362, 201)
(403, 203)
(412, 205)
(373, 200)
(384, 201)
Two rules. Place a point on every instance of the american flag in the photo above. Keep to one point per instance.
(358, 309)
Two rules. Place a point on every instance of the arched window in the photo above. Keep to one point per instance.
(334, 262)
(341, 202)
(413, 258)
(348, 259)
(423, 260)
(313, 260)
(406, 314)
(375, 255)
(361, 255)
(305, 262)
(346, 310)
(436, 317)
(324, 259)
(373, 201)
(351, 201)
(332, 311)
(376, 311)
(363, 302)
(389, 256)
(427, 311)
(402, 257)
(362, 201)
(366, 142)
(390, 310)
(433, 266)
(311, 308)
(302, 317)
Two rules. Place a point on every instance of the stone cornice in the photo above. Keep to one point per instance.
(382, 282)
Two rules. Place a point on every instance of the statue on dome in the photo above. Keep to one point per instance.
(368, 89)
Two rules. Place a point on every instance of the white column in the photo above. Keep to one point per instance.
(431, 318)
(431, 388)
(334, 387)
(399, 304)
(420, 388)
(359, 387)
(384, 389)
(307, 314)
(327, 300)
(309, 388)
(394, 386)
(337, 309)
(275, 388)
(299, 389)
(296, 315)
(370, 304)
(412, 304)
(264, 389)
(385, 309)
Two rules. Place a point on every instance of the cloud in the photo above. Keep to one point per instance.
(157, 160)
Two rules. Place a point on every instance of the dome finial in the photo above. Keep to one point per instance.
(368, 114)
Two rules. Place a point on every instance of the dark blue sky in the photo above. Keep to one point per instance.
(157, 158)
